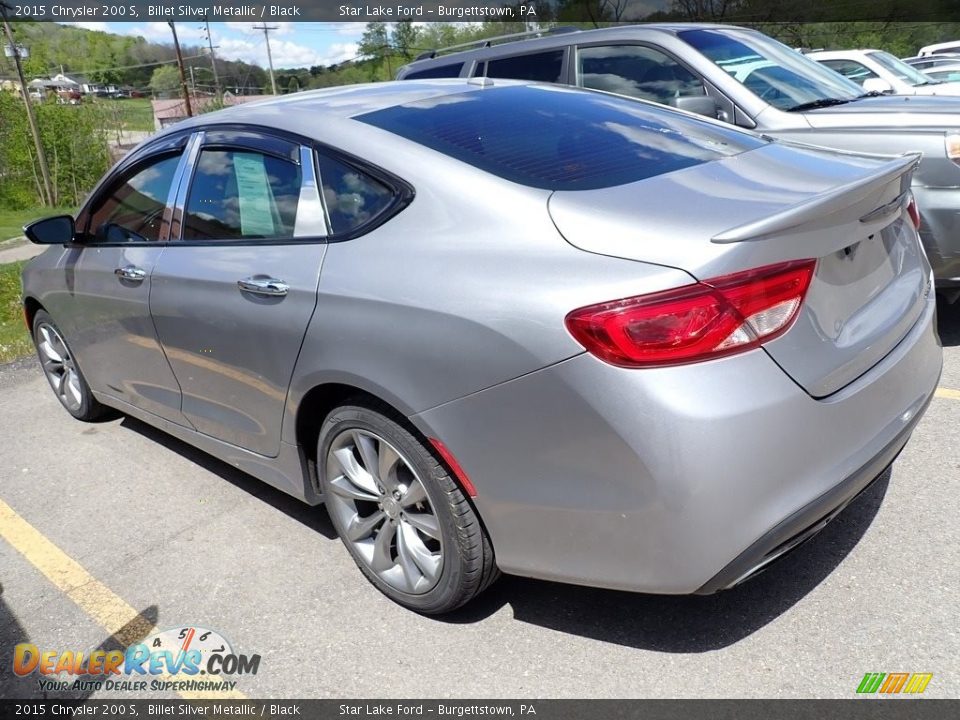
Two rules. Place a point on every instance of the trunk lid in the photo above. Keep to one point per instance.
(772, 205)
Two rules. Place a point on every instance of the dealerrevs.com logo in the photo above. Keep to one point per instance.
(894, 683)
(180, 659)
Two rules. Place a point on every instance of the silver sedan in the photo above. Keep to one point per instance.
(498, 326)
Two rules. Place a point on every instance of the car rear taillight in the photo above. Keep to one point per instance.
(709, 319)
(952, 142)
(914, 212)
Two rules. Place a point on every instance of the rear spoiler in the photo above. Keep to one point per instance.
(831, 201)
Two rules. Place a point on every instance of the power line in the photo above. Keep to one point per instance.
(131, 67)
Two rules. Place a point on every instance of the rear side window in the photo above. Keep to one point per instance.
(352, 197)
(437, 71)
(540, 67)
(636, 71)
(560, 139)
(945, 75)
(242, 194)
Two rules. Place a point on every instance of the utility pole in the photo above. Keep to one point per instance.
(49, 199)
(266, 33)
(183, 75)
(213, 59)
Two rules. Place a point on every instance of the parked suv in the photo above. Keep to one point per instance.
(746, 78)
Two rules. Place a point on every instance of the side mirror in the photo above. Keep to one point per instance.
(877, 85)
(57, 230)
(699, 104)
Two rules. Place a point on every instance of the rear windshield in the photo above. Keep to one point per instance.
(560, 139)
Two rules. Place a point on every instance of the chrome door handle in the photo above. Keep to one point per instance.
(263, 286)
(130, 272)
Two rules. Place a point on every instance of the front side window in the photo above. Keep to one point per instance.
(538, 67)
(777, 74)
(352, 197)
(858, 72)
(242, 195)
(133, 209)
(636, 71)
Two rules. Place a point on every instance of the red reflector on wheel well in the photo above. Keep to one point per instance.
(454, 466)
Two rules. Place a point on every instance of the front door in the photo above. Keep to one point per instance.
(105, 311)
(235, 289)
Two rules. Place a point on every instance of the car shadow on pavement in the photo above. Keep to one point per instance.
(948, 323)
(683, 624)
(12, 633)
(662, 623)
(313, 517)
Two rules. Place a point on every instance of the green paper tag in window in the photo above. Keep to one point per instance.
(254, 195)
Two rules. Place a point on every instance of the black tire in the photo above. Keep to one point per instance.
(468, 565)
(88, 409)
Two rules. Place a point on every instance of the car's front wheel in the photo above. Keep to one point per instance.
(62, 371)
(406, 522)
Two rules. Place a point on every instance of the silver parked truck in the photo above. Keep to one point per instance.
(743, 77)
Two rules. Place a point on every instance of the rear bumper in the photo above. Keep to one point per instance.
(675, 480)
(808, 521)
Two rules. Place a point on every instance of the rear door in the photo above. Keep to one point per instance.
(236, 287)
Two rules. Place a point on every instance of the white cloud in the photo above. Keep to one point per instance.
(247, 28)
(160, 32)
(286, 54)
(153, 31)
(338, 52)
(347, 29)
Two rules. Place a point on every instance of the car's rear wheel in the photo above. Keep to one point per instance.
(62, 371)
(408, 525)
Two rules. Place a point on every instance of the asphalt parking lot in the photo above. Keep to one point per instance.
(114, 528)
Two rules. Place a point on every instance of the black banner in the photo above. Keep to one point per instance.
(856, 709)
(528, 11)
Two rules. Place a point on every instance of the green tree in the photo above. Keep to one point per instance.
(375, 46)
(294, 85)
(404, 38)
(74, 139)
(166, 81)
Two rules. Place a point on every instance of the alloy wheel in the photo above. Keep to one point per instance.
(385, 511)
(59, 367)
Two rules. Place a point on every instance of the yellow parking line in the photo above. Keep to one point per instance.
(98, 601)
(948, 393)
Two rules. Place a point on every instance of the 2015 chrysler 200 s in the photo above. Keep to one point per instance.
(503, 325)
